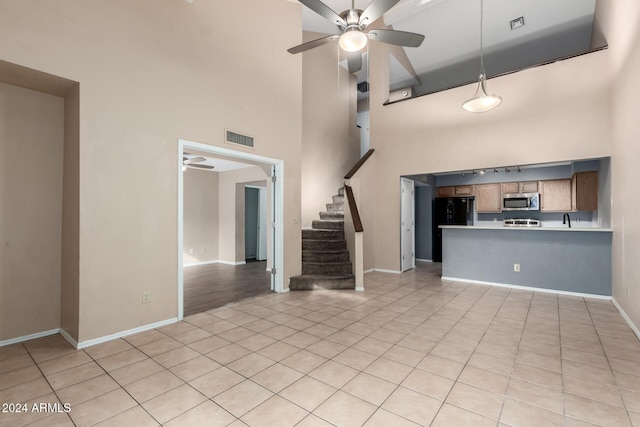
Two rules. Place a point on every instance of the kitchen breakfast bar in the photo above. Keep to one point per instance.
(575, 260)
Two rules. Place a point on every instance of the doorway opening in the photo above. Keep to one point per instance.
(212, 237)
(407, 224)
(255, 223)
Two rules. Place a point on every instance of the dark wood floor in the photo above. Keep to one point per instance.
(214, 285)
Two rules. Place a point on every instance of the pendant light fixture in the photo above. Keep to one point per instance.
(481, 101)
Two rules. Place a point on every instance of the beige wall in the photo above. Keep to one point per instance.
(150, 74)
(231, 243)
(31, 152)
(200, 216)
(551, 113)
(70, 265)
(621, 24)
(330, 138)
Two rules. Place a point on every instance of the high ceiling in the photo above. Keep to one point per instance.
(449, 55)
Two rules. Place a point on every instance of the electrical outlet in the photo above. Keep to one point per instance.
(190, 251)
(146, 297)
(516, 268)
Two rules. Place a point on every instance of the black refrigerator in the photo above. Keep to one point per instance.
(448, 211)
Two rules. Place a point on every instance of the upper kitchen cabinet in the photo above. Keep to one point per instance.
(446, 191)
(520, 187)
(488, 198)
(456, 191)
(529, 187)
(510, 187)
(584, 191)
(555, 195)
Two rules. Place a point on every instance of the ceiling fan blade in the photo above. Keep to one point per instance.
(197, 166)
(399, 38)
(354, 62)
(375, 10)
(194, 160)
(313, 43)
(325, 11)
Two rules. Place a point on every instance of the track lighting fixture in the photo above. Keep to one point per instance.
(475, 173)
(495, 170)
(507, 170)
(518, 169)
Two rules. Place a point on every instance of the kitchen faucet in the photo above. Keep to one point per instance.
(566, 218)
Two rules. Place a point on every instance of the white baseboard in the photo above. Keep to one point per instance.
(232, 262)
(382, 270)
(193, 264)
(121, 334)
(624, 315)
(424, 260)
(371, 270)
(217, 261)
(360, 289)
(29, 337)
(69, 338)
(528, 288)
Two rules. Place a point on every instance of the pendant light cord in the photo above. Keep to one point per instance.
(481, 41)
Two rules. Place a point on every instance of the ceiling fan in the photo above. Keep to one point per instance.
(193, 163)
(352, 24)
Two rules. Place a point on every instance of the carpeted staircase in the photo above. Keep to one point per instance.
(325, 259)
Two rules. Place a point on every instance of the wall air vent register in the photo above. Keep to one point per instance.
(232, 137)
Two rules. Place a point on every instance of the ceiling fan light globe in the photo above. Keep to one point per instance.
(353, 40)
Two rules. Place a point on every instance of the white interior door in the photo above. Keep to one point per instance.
(407, 222)
(262, 225)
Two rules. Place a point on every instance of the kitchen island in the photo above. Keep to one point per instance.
(575, 260)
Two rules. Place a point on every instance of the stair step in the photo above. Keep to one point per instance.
(338, 199)
(335, 207)
(341, 191)
(327, 224)
(332, 215)
(308, 282)
(322, 234)
(325, 256)
(327, 268)
(323, 245)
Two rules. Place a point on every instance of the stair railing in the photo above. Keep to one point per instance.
(353, 228)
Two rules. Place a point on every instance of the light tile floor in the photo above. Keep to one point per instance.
(410, 350)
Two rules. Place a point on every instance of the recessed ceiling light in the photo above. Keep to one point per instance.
(517, 23)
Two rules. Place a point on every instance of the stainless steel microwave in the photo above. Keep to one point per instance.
(521, 202)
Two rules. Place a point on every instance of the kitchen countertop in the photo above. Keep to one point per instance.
(501, 227)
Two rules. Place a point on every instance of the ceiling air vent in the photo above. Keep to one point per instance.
(239, 139)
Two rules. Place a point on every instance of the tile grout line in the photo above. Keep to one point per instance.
(624, 403)
(47, 380)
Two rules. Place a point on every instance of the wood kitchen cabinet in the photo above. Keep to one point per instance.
(520, 187)
(464, 190)
(446, 191)
(555, 195)
(456, 191)
(584, 191)
(529, 187)
(510, 187)
(488, 198)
